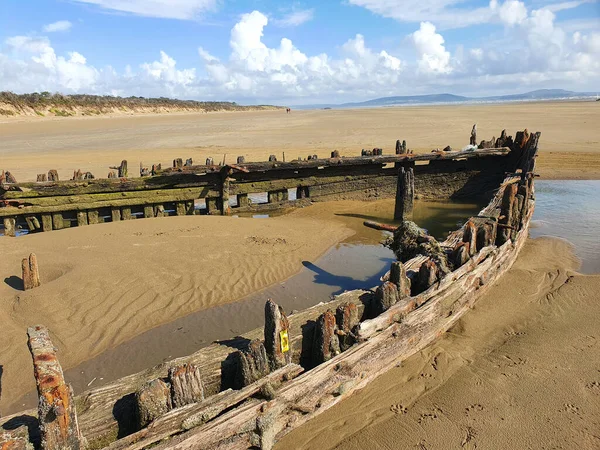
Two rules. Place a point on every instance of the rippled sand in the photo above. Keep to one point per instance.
(522, 370)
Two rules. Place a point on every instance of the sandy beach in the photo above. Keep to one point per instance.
(521, 370)
(569, 146)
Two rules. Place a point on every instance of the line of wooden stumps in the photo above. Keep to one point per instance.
(183, 385)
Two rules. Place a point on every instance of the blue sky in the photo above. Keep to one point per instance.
(298, 52)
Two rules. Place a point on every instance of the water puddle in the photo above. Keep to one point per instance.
(570, 209)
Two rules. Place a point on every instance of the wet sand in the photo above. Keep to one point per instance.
(569, 146)
(522, 370)
(104, 284)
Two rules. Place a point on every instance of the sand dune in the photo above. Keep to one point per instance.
(37, 145)
(522, 370)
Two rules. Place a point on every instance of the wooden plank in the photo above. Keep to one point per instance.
(98, 186)
(96, 201)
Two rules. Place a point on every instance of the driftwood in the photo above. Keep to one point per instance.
(56, 411)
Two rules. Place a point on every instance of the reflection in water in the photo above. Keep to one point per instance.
(570, 209)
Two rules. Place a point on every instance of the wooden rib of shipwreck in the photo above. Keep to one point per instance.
(182, 190)
(260, 413)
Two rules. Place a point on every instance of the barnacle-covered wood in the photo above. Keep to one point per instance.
(253, 364)
(153, 400)
(56, 410)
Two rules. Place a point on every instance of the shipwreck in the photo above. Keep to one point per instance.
(260, 386)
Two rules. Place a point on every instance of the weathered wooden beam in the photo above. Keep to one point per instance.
(326, 344)
(380, 226)
(277, 338)
(148, 211)
(30, 272)
(225, 189)
(56, 409)
(405, 194)
(10, 226)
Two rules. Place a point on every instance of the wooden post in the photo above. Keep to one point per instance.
(56, 409)
(426, 277)
(153, 400)
(253, 364)
(57, 221)
(123, 172)
(126, 213)
(93, 217)
(82, 218)
(159, 210)
(186, 385)
(277, 339)
(473, 139)
(347, 320)
(460, 254)
(46, 222)
(405, 194)
(302, 192)
(241, 160)
(42, 177)
(178, 163)
(10, 226)
(470, 236)
(326, 344)
(52, 175)
(180, 208)
(400, 279)
(115, 214)
(148, 211)
(32, 223)
(386, 296)
(506, 214)
(212, 205)
(225, 184)
(30, 272)
(242, 200)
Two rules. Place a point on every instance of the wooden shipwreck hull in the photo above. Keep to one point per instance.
(260, 386)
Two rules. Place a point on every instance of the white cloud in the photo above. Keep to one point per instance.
(535, 52)
(295, 18)
(455, 13)
(61, 25)
(170, 9)
(511, 12)
(430, 46)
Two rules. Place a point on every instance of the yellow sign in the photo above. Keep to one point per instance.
(285, 342)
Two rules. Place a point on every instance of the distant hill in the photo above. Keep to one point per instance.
(540, 94)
